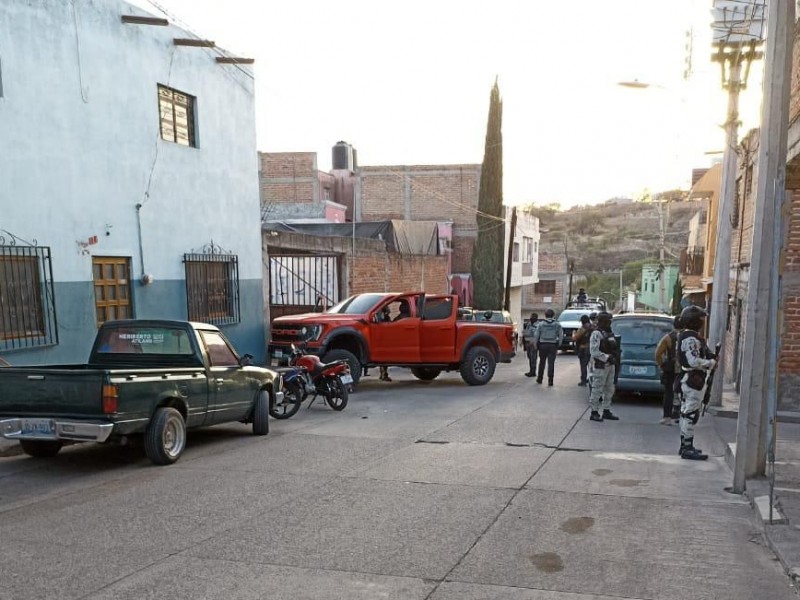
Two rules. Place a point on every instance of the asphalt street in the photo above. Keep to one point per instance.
(417, 490)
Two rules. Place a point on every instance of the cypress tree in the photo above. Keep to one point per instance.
(487, 256)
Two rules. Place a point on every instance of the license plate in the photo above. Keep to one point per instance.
(37, 427)
(637, 370)
(278, 353)
(347, 378)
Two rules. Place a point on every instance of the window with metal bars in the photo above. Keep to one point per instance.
(27, 302)
(112, 288)
(177, 116)
(212, 288)
(546, 286)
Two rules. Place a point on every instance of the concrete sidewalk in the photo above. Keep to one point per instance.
(783, 531)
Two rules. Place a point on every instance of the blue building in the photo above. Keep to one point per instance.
(130, 180)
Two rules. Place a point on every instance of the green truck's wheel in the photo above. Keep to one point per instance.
(261, 413)
(165, 438)
(40, 448)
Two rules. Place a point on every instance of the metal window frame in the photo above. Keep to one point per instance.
(540, 285)
(309, 280)
(190, 105)
(197, 305)
(31, 335)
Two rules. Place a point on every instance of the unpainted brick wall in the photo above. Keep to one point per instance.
(426, 193)
(287, 177)
(789, 363)
(794, 101)
(420, 192)
(398, 273)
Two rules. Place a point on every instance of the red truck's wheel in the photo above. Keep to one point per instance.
(40, 448)
(425, 373)
(478, 366)
(352, 360)
(165, 437)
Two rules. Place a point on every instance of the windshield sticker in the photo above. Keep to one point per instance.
(143, 338)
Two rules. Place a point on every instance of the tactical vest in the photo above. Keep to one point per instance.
(685, 335)
(608, 343)
(548, 332)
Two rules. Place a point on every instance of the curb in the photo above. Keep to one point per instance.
(784, 416)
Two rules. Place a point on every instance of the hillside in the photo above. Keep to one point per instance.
(609, 237)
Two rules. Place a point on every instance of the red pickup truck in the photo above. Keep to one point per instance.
(422, 332)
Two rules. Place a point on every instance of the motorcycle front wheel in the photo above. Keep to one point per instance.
(337, 394)
(288, 407)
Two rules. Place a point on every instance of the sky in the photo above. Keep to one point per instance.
(409, 83)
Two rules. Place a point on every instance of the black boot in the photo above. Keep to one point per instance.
(691, 443)
(689, 452)
(607, 414)
(550, 382)
(595, 416)
(538, 380)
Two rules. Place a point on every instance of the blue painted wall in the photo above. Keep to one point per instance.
(85, 172)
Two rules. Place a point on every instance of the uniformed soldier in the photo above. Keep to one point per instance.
(604, 350)
(696, 361)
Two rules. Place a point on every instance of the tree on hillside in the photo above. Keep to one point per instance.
(487, 258)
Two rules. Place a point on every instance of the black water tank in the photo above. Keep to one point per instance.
(343, 156)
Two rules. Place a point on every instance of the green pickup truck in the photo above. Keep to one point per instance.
(148, 378)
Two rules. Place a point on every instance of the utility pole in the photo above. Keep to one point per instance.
(758, 398)
(731, 56)
(507, 299)
(662, 296)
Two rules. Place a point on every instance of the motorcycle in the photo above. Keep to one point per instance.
(307, 375)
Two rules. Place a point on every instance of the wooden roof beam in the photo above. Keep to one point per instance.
(235, 60)
(193, 42)
(137, 20)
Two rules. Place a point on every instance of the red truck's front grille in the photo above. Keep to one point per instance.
(286, 333)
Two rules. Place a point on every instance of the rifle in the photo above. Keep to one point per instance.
(709, 381)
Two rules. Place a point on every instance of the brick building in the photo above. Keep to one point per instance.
(424, 193)
(293, 188)
(552, 289)
(741, 255)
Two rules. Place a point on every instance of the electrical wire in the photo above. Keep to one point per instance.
(78, 52)
(215, 51)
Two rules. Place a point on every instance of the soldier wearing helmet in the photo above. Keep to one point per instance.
(696, 361)
(604, 350)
